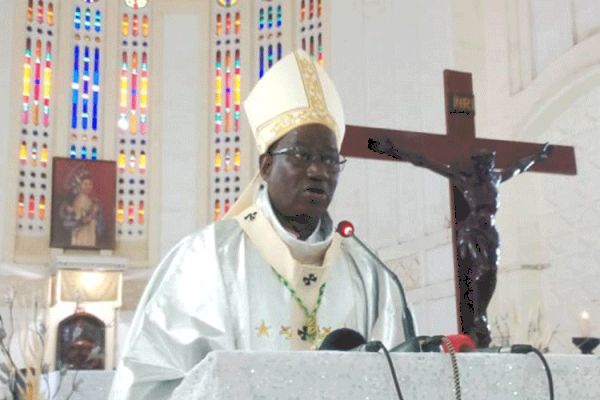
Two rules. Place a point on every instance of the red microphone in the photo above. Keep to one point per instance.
(345, 228)
(460, 342)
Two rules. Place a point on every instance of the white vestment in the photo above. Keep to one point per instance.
(215, 291)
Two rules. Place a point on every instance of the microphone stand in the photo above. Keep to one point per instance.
(408, 323)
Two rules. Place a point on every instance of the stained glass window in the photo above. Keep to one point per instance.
(310, 24)
(227, 3)
(269, 35)
(225, 145)
(247, 39)
(85, 139)
(133, 122)
(37, 117)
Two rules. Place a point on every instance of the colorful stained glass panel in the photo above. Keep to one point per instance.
(227, 3)
(36, 117)
(133, 121)
(227, 108)
(86, 85)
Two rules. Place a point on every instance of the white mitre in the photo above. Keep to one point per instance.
(296, 91)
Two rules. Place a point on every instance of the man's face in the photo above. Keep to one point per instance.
(301, 188)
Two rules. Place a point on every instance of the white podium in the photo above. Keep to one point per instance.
(338, 375)
(90, 385)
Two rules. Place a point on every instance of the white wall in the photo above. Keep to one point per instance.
(552, 30)
(533, 63)
(6, 60)
(558, 25)
(181, 129)
(539, 85)
(557, 234)
(387, 62)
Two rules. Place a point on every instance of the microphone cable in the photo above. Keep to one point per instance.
(375, 346)
(455, 373)
(525, 349)
(345, 339)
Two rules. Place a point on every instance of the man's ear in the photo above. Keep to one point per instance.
(265, 163)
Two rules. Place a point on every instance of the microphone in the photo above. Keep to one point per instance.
(346, 339)
(515, 349)
(460, 342)
(342, 339)
(346, 229)
(419, 344)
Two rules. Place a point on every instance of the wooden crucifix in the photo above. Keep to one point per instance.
(465, 159)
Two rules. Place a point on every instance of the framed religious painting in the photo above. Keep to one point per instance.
(83, 204)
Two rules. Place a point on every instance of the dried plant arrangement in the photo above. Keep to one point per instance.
(23, 371)
(509, 328)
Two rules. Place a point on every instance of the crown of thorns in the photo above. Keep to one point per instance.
(484, 154)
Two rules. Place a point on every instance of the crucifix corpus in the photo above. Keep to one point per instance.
(475, 169)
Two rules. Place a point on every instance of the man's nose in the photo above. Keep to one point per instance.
(317, 169)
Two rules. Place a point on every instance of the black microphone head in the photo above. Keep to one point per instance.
(411, 345)
(342, 339)
(345, 228)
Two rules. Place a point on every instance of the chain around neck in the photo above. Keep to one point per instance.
(311, 316)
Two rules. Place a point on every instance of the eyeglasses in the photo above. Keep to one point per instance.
(302, 158)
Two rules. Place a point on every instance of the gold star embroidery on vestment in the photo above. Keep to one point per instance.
(286, 331)
(263, 329)
(325, 331)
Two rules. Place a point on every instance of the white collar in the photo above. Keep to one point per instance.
(310, 250)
